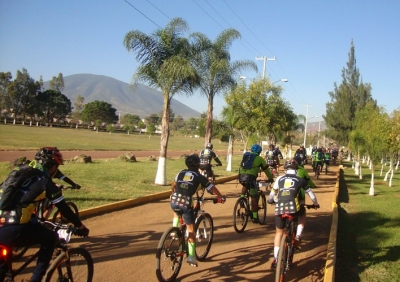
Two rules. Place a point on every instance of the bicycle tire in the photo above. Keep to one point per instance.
(240, 215)
(169, 256)
(58, 218)
(262, 209)
(280, 271)
(78, 267)
(204, 235)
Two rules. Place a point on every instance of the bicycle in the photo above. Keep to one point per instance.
(318, 170)
(173, 245)
(286, 249)
(70, 264)
(242, 209)
(44, 210)
(204, 173)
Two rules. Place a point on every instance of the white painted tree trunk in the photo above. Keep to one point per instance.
(391, 178)
(229, 166)
(14, 121)
(5, 121)
(372, 188)
(161, 176)
(30, 123)
(357, 168)
(360, 176)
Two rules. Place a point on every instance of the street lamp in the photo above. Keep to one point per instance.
(282, 80)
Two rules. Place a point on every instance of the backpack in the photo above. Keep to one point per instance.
(247, 160)
(15, 186)
(320, 155)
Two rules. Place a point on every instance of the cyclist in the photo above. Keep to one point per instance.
(302, 172)
(327, 158)
(18, 226)
(206, 155)
(271, 157)
(184, 186)
(301, 151)
(288, 187)
(318, 159)
(247, 177)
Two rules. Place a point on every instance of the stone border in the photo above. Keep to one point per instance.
(329, 275)
(138, 201)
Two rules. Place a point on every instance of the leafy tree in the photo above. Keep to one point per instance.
(130, 119)
(52, 105)
(57, 83)
(5, 80)
(78, 108)
(217, 72)
(152, 119)
(22, 92)
(165, 64)
(178, 123)
(352, 94)
(99, 110)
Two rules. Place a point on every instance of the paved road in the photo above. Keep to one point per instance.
(123, 243)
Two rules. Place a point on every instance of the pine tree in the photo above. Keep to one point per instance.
(350, 95)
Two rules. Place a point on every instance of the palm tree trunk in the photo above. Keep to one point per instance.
(161, 177)
(209, 119)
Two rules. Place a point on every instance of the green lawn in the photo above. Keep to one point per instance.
(368, 246)
(105, 180)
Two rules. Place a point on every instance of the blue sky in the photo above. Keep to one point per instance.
(310, 40)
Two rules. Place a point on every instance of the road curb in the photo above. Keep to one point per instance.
(329, 275)
(138, 201)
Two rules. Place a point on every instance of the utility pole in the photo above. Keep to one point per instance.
(305, 127)
(265, 59)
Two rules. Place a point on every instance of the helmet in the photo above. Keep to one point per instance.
(291, 164)
(49, 156)
(256, 149)
(209, 146)
(192, 161)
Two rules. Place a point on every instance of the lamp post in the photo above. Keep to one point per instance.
(319, 130)
(305, 128)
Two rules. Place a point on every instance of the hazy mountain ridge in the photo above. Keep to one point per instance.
(140, 100)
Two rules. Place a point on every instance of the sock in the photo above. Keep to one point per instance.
(175, 222)
(255, 214)
(300, 228)
(192, 247)
(276, 251)
(241, 195)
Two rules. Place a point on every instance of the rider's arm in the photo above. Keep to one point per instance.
(66, 179)
(217, 160)
(311, 195)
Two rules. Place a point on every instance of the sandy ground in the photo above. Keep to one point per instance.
(123, 243)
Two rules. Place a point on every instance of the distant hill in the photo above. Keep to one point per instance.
(140, 100)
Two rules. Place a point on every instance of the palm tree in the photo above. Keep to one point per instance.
(164, 59)
(217, 73)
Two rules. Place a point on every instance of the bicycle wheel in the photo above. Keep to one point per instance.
(169, 256)
(280, 271)
(262, 209)
(240, 215)
(78, 268)
(204, 235)
(58, 218)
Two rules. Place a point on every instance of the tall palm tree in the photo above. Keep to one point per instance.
(164, 59)
(217, 73)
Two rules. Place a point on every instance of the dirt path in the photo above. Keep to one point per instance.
(123, 243)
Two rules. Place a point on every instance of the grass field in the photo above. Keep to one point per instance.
(368, 245)
(105, 181)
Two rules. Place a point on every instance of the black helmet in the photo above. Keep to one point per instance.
(209, 146)
(291, 164)
(49, 156)
(192, 161)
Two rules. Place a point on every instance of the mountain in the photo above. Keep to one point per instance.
(139, 100)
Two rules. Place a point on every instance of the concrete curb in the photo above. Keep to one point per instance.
(329, 275)
(139, 201)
